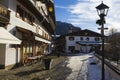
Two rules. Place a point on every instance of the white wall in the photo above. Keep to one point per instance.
(69, 43)
(14, 21)
(77, 47)
(12, 55)
(77, 38)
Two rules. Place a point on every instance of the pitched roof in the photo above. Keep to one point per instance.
(85, 32)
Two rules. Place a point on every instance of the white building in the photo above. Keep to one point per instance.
(26, 28)
(82, 41)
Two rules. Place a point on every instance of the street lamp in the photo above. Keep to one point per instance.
(102, 11)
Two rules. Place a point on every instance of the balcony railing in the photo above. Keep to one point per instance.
(4, 14)
(31, 5)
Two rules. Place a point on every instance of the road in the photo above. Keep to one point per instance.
(71, 67)
(83, 70)
(78, 64)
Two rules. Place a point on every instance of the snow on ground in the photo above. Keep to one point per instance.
(94, 71)
(83, 70)
(82, 75)
(75, 63)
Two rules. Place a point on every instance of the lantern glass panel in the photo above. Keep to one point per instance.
(102, 11)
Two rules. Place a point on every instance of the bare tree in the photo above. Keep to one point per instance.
(114, 40)
(112, 31)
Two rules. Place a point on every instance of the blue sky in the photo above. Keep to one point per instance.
(82, 13)
(62, 14)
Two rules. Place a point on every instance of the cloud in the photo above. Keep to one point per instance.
(84, 12)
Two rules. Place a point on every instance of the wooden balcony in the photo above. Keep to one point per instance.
(4, 15)
(29, 4)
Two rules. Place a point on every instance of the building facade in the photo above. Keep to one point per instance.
(32, 23)
(83, 41)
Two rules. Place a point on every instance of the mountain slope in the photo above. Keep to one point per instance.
(63, 28)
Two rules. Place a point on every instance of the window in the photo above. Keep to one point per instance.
(97, 39)
(71, 38)
(87, 39)
(28, 48)
(19, 13)
(81, 38)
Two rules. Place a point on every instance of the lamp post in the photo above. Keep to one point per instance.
(102, 11)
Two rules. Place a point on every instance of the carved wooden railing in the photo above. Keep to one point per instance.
(4, 14)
